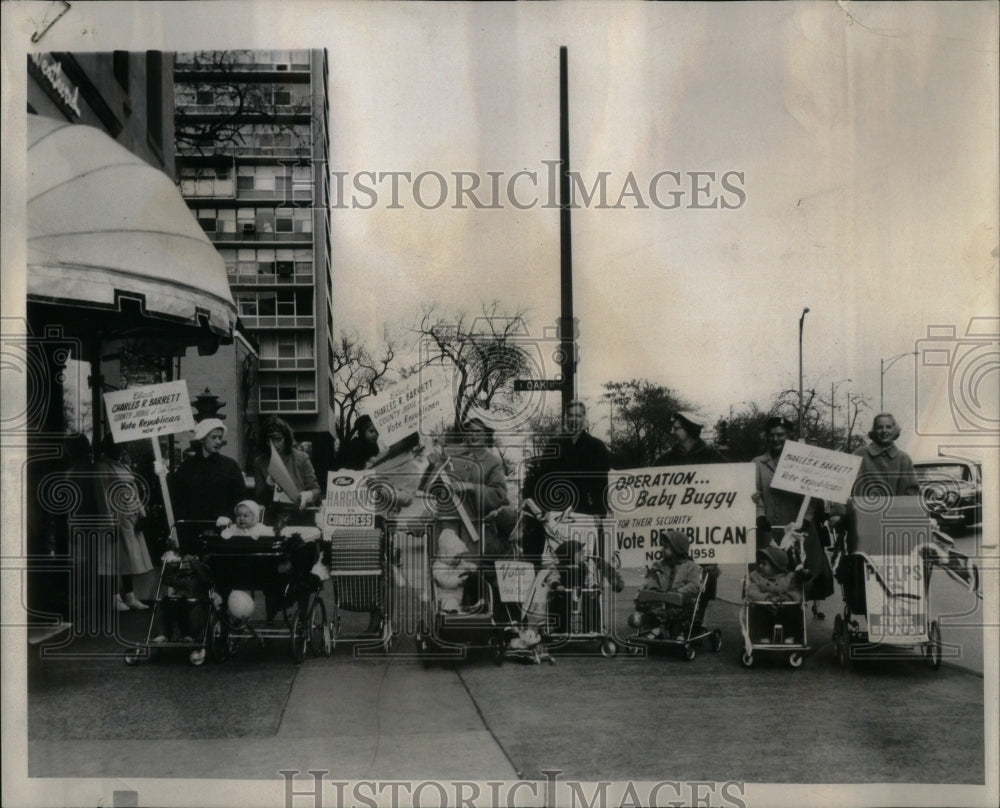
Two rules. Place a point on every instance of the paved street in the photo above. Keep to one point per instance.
(389, 717)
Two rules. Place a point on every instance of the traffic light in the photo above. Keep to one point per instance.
(722, 433)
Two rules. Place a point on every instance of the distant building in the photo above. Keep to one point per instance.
(252, 151)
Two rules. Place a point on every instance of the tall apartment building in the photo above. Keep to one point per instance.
(252, 152)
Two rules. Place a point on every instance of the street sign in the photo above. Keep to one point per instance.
(527, 385)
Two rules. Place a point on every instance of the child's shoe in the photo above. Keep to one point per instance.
(120, 605)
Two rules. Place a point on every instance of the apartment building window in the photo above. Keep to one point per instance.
(282, 98)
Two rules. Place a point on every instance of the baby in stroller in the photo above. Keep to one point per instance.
(182, 611)
(771, 581)
(664, 605)
(451, 570)
(247, 522)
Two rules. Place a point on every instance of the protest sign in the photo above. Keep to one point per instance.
(149, 411)
(816, 472)
(418, 404)
(348, 503)
(709, 504)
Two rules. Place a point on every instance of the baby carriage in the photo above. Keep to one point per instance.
(682, 626)
(360, 573)
(180, 610)
(572, 579)
(465, 609)
(887, 555)
(287, 568)
(773, 618)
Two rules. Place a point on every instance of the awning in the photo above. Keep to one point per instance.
(111, 234)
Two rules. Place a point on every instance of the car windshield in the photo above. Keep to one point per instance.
(936, 471)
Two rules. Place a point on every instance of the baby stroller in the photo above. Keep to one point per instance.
(287, 569)
(887, 555)
(180, 610)
(465, 610)
(774, 626)
(665, 609)
(574, 576)
(360, 571)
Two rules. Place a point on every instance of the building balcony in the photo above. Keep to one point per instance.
(281, 321)
(257, 236)
(298, 363)
(268, 407)
(271, 279)
(229, 150)
(280, 196)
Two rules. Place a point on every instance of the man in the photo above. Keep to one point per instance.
(572, 471)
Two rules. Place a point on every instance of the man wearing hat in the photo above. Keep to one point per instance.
(688, 449)
(207, 484)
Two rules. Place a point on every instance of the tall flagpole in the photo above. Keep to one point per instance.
(567, 327)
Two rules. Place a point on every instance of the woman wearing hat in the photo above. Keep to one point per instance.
(779, 509)
(688, 449)
(362, 447)
(208, 483)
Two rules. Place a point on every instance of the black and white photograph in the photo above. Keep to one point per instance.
(585, 404)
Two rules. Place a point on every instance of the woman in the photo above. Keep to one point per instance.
(476, 479)
(780, 509)
(689, 448)
(207, 484)
(885, 470)
(118, 496)
(278, 436)
(362, 448)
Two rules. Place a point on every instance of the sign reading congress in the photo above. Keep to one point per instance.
(709, 504)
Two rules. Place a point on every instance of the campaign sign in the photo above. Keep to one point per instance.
(348, 502)
(816, 472)
(149, 411)
(418, 404)
(710, 504)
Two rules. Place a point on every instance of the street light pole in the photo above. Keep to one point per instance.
(833, 406)
(802, 321)
(883, 367)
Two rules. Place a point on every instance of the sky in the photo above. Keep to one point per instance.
(861, 139)
(865, 141)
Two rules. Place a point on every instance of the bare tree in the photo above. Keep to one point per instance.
(642, 413)
(487, 352)
(219, 103)
(358, 374)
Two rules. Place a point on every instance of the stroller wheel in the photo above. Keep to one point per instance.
(716, 641)
(132, 657)
(197, 657)
(841, 642)
(608, 647)
(747, 660)
(795, 660)
(934, 645)
(689, 652)
(299, 636)
(218, 637)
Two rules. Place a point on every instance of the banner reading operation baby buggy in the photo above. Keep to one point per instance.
(709, 504)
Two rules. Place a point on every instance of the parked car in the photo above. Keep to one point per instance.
(954, 488)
